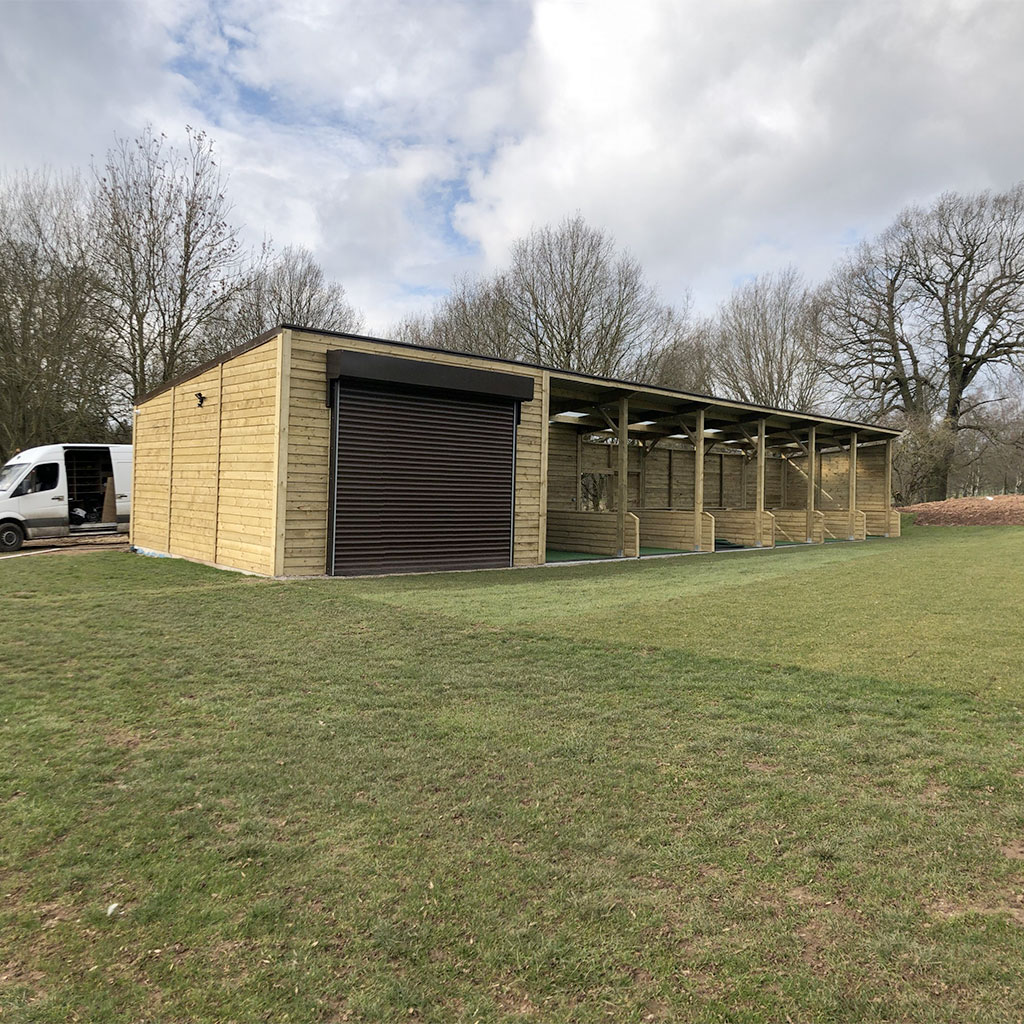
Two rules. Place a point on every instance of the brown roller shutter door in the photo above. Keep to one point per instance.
(423, 480)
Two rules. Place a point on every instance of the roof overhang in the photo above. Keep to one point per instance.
(655, 412)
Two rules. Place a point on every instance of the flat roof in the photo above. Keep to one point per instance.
(578, 398)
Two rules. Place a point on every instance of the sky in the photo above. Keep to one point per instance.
(409, 141)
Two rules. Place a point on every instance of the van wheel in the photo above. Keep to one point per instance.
(12, 536)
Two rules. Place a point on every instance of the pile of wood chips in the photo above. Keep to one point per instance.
(1000, 510)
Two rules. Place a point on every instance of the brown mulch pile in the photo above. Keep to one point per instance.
(1001, 510)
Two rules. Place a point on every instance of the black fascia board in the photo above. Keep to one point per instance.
(420, 373)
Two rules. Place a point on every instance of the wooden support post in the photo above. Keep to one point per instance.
(622, 499)
(668, 504)
(698, 480)
(851, 502)
(812, 475)
(759, 484)
(579, 471)
(644, 452)
(545, 464)
(216, 482)
(135, 463)
(888, 485)
(284, 378)
(170, 471)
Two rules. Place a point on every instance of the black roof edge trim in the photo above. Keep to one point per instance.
(442, 376)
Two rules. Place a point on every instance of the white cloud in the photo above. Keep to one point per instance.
(718, 140)
(405, 142)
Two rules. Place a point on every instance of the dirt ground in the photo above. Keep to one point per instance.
(1000, 510)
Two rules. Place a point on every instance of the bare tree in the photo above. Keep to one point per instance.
(989, 457)
(169, 261)
(55, 379)
(690, 363)
(290, 288)
(473, 317)
(577, 303)
(569, 298)
(768, 343)
(923, 319)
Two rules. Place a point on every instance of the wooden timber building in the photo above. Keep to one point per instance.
(309, 452)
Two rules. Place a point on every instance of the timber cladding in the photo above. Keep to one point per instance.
(674, 529)
(203, 474)
(832, 479)
(307, 490)
(593, 532)
(791, 526)
(846, 525)
(661, 478)
(741, 526)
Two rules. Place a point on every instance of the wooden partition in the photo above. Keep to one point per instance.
(882, 522)
(791, 525)
(843, 525)
(592, 533)
(740, 526)
(673, 528)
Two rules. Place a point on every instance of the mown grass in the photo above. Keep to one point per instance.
(744, 788)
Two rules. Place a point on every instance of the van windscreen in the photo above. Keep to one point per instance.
(10, 473)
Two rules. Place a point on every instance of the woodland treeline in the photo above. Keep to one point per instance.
(117, 279)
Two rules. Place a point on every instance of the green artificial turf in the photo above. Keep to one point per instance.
(774, 785)
(555, 555)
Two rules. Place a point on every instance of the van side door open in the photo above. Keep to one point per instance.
(91, 488)
(123, 486)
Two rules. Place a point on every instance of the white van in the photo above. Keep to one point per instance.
(64, 490)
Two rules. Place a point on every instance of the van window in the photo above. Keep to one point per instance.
(43, 477)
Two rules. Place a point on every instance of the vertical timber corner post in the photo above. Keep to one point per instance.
(622, 497)
(698, 480)
(851, 502)
(216, 482)
(888, 487)
(759, 487)
(545, 456)
(812, 468)
(284, 373)
(170, 470)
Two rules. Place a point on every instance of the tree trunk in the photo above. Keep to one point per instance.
(937, 482)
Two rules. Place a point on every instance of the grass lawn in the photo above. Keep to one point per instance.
(764, 786)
